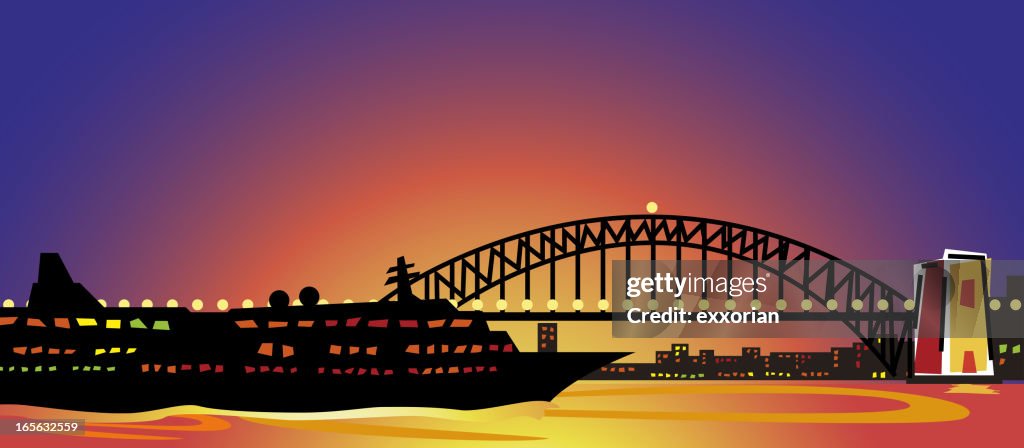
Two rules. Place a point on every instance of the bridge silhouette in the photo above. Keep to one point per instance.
(477, 280)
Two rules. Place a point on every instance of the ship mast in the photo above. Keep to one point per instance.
(403, 278)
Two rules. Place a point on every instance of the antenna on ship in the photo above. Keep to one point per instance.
(403, 278)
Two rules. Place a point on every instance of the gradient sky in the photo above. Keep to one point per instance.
(170, 150)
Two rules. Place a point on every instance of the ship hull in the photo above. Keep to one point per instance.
(525, 377)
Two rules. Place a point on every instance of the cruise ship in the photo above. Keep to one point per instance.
(65, 350)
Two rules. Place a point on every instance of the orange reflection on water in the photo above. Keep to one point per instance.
(588, 413)
(917, 409)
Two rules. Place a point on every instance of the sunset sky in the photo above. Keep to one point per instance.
(213, 152)
(224, 150)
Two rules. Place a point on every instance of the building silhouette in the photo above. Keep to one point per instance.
(854, 362)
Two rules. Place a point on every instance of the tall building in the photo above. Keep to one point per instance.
(951, 295)
(547, 337)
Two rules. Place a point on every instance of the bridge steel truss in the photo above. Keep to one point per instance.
(464, 278)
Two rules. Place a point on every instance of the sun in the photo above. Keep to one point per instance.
(652, 207)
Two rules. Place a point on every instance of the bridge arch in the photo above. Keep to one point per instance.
(467, 276)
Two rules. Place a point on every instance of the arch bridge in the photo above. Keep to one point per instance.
(833, 290)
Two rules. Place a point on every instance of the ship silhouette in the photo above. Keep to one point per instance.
(65, 350)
